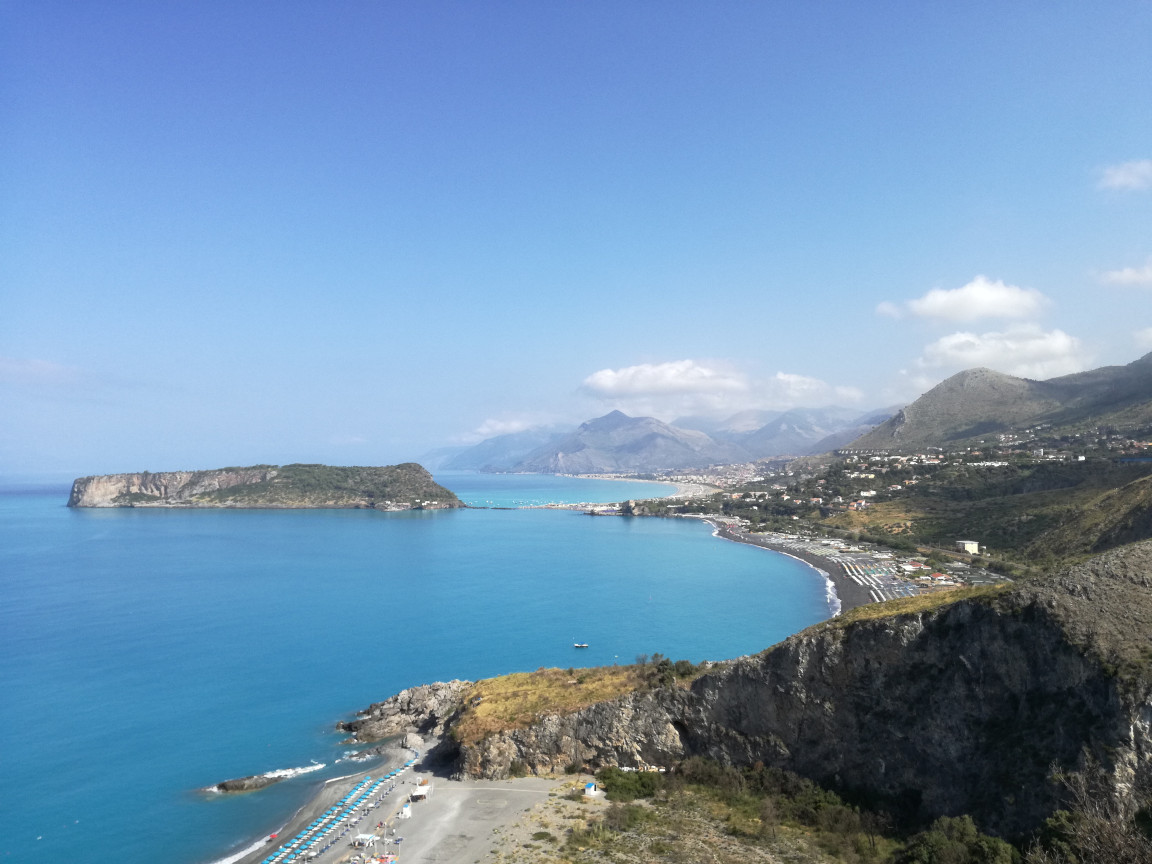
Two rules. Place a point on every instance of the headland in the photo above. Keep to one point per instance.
(954, 702)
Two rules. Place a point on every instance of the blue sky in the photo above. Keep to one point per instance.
(352, 232)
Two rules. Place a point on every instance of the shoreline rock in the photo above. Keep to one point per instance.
(426, 710)
(245, 784)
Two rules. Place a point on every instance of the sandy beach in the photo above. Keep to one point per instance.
(459, 820)
(681, 490)
(851, 594)
(381, 807)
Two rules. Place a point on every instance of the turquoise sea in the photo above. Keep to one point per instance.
(145, 654)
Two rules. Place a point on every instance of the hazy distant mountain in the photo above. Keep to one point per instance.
(862, 425)
(980, 402)
(877, 416)
(504, 451)
(434, 460)
(796, 432)
(741, 423)
(617, 443)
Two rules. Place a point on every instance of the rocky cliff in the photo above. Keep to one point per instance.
(116, 490)
(959, 707)
(392, 487)
(426, 709)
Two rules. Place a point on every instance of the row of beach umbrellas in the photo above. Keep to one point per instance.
(331, 819)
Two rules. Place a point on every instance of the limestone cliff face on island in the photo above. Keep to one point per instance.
(962, 708)
(393, 487)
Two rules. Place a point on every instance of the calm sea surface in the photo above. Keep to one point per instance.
(145, 654)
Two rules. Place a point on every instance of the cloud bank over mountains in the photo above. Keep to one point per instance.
(689, 387)
(1024, 348)
(1026, 351)
(1019, 344)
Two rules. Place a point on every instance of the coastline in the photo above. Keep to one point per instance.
(849, 594)
(679, 490)
(464, 817)
(327, 794)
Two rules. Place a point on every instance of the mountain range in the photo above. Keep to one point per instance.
(618, 443)
(980, 402)
(960, 410)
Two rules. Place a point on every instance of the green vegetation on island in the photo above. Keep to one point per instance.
(392, 487)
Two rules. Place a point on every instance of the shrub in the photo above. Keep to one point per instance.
(684, 668)
(956, 841)
(628, 785)
(623, 817)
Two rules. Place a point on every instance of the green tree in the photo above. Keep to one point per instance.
(956, 841)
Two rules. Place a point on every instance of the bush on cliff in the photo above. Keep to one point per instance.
(956, 841)
(628, 785)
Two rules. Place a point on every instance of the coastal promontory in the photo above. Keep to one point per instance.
(391, 487)
(970, 702)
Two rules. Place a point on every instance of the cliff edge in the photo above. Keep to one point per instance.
(937, 708)
(394, 487)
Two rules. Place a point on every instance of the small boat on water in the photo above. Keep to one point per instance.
(579, 644)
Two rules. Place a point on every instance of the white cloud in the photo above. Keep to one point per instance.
(1134, 175)
(688, 387)
(1025, 350)
(1144, 339)
(1129, 276)
(788, 389)
(493, 426)
(509, 424)
(980, 298)
(648, 379)
(889, 310)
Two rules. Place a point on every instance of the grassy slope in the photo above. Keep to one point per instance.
(912, 605)
(515, 701)
(1081, 512)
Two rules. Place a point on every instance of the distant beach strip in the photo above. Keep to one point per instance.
(844, 594)
(677, 490)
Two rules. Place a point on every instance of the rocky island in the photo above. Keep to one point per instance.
(392, 487)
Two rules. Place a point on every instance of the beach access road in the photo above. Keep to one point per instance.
(461, 819)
